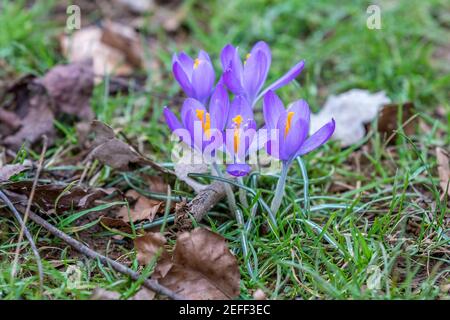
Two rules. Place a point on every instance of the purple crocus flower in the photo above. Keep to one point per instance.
(291, 129)
(248, 78)
(240, 134)
(196, 77)
(199, 127)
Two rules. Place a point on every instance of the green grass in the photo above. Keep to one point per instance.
(386, 237)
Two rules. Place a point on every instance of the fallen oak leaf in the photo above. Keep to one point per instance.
(203, 267)
(443, 169)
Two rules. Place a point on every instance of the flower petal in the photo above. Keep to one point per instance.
(239, 106)
(227, 55)
(290, 143)
(301, 111)
(203, 78)
(189, 105)
(286, 78)
(219, 106)
(255, 74)
(238, 169)
(182, 78)
(232, 82)
(272, 109)
(203, 55)
(186, 62)
(264, 48)
(318, 138)
(171, 120)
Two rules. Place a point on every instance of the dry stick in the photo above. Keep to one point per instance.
(203, 201)
(29, 237)
(148, 283)
(30, 200)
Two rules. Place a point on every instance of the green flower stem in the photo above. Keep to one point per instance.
(279, 191)
(239, 217)
(306, 204)
(242, 194)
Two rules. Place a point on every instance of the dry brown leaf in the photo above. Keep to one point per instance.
(388, 119)
(114, 49)
(66, 197)
(203, 267)
(124, 39)
(10, 170)
(117, 224)
(156, 184)
(443, 169)
(70, 87)
(115, 153)
(148, 245)
(142, 209)
(34, 103)
(111, 151)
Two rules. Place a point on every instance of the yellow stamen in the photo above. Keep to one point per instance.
(205, 121)
(196, 63)
(247, 57)
(238, 121)
(207, 127)
(288, 123)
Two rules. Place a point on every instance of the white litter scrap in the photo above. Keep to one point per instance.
(351, 110)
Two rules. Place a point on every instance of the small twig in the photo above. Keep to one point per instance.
(30, 200)
(29, 237)
(148, 283)
(199, 206)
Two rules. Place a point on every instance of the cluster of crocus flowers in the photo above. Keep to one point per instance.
(230, 127)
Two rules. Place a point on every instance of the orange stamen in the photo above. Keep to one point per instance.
(288, 123)
(205, 121)
(238, 121)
